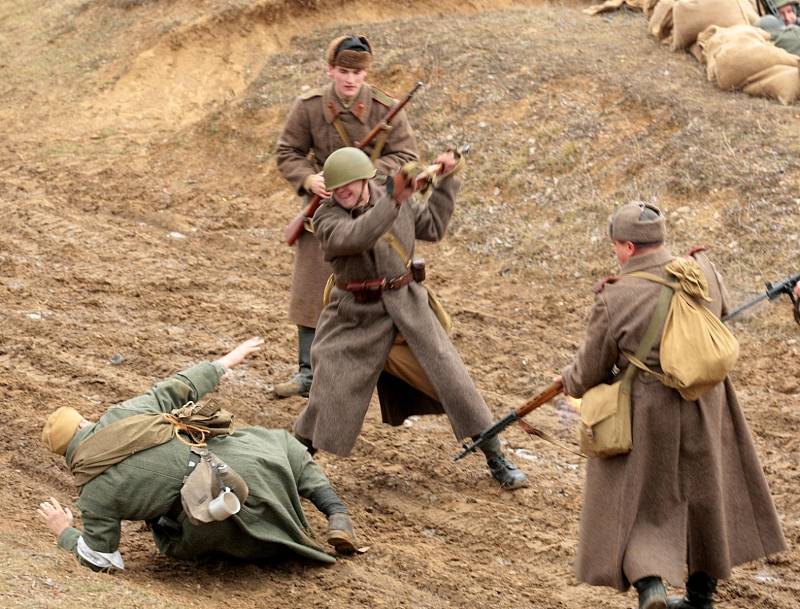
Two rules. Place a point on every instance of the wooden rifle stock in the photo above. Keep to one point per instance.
(544, 396)
(295, 228)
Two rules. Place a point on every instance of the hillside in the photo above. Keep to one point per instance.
(142, 216)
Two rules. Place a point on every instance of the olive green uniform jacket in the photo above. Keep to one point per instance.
(146, 486)
(788, 39)
(691, 492)
(310, 129)
(353, 339)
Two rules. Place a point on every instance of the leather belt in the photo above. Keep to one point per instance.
(369, 290)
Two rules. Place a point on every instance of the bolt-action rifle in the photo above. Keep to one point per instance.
(773, 290)
(296, 227)
(544, 396)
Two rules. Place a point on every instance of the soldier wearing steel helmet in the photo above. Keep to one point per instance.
(321, 121)
(787, 11)
(367, 232)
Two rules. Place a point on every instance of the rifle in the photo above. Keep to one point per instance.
(773, 291)
(295, 228)
(540, 398)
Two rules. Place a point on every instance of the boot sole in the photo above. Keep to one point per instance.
(342, 542)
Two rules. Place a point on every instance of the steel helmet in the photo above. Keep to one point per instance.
(347, 165)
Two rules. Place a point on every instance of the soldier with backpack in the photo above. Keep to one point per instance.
(138, 461)
(690, 492)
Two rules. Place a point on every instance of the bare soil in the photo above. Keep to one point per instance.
(142, 214)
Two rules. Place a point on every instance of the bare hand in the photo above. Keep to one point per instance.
(797, 290)
(56, 518)
(235, 357)
(447, 160)
(403, 186)
(316, 184)
(560, 379)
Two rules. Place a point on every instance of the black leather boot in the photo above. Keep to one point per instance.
(652, 594)
(502, 470)
(700, 589)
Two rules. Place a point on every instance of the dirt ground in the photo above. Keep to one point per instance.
(141, 216)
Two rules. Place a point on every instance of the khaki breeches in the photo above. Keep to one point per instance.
(404, 365)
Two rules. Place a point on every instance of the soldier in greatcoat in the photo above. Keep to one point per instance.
(367, 232)
(321, 121)
(146, 485)
(691, 494)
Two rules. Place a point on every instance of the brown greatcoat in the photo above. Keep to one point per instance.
(692, 489)
(353, 339)
(308, 138)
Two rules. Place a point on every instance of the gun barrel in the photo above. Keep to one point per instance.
(487, 434)
(743, 307)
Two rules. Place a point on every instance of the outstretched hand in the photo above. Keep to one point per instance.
(237, 356)
(56, 518)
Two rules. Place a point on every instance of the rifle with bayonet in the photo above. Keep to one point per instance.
(786, 286)
(295, 228)
(544, 396)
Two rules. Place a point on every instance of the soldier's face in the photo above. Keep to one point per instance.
(346, 81)
(351, 194)
(787, 14)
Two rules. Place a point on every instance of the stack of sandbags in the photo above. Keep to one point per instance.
(742, 57)
(678, 22)
(690, 17)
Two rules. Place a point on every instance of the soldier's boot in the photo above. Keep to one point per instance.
(502, 470)
(652, 594)
(340, 533)
(300, 383)
(700, 589)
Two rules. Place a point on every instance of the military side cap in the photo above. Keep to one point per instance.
(780, 3)
(637, 222)
(59, 429)
(350, 51)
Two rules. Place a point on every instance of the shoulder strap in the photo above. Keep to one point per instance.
(342, 132)
(311, 93)
(382, 98)
(649, 339)
(651, 277)
(397, 247)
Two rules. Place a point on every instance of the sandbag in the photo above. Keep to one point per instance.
(779, 82)
(660, 23)
(690, 17)
(736, 63)
(612, 5)
(648, 6)
(714, 37)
